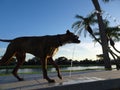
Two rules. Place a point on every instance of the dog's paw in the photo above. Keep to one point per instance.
(21, 79)
(51, 81)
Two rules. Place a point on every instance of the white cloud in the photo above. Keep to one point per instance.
(89, 50)
(81, 51)
(29, 56)
(2, 51)
(117, 46)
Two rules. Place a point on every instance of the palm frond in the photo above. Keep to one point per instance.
(92, 16)
(79, 17)
(106, 22)
(80, 31)
(77, 25)
(106, 0)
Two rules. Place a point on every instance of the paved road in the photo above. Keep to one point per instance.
(35, 81)
(11, 78)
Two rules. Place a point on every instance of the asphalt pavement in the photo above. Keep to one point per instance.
(36, 81)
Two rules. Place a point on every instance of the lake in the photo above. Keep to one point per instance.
(53, 69)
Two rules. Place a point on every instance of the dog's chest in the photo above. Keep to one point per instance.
(52, 52)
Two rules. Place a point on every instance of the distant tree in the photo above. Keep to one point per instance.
(76, 62)
(62, 61)
(34, 61)
(100, 56)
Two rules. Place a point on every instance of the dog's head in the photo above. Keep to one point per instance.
(72, 38)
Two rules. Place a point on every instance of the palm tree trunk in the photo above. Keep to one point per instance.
(103, 36)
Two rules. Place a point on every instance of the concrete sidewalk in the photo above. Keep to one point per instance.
(76, 78)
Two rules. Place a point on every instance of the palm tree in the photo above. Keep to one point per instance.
(112, 35)
(103, 36)
(84, 24)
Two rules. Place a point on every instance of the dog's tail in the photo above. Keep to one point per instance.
(3, 40)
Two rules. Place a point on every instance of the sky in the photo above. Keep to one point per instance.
(49, 17)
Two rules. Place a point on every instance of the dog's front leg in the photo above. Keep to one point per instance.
(44, 68)
(56, 66)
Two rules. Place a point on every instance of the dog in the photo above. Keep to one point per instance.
(43, 47)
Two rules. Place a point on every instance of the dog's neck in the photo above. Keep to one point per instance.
(61, 39)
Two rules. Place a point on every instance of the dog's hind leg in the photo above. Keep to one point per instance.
(56, 66)
(44, 68)
(20, 58)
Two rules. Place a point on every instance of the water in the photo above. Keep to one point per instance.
(53, 69)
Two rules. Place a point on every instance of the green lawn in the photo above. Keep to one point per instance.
(30, 66)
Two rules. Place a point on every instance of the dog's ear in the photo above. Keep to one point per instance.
(67, 32)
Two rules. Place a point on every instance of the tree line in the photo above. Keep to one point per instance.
(63, 61)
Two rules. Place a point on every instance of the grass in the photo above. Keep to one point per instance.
(39, 66)
(26, 67)
(30, 66)
(22, 67)
(7, 74)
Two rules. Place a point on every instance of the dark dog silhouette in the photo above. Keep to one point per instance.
(43, 47)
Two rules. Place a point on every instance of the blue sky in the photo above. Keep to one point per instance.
(49, 17)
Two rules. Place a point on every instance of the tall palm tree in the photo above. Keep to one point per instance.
(103, 36)
(113, 34)
(84, 24)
